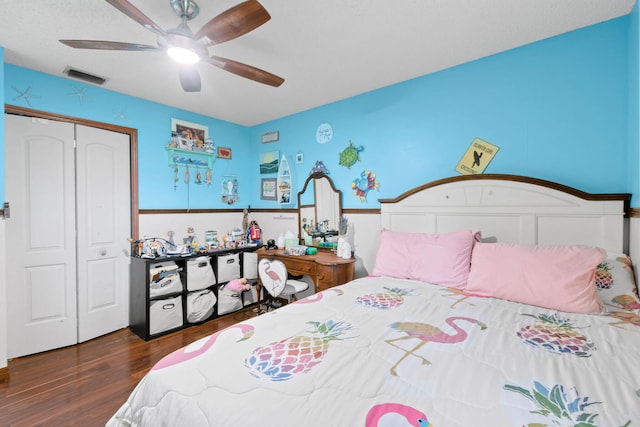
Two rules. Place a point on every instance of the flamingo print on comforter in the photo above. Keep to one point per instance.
(351, 357)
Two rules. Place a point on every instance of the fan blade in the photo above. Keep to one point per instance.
(246, 71)
(134, 13)
(234, 22)
(106, 45)
(190, 78)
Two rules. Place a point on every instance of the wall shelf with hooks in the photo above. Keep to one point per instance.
(191, 158)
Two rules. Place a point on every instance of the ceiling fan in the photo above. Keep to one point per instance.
(188, 48)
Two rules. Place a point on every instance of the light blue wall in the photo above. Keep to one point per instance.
(153, 122)
(557, 109)
(563, 109)
(634, 106)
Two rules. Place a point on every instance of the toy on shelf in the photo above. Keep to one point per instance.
(151, 247)
(254, 233)
(238, 285)
(191, 239)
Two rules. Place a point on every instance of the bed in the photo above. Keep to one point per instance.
(542, 326)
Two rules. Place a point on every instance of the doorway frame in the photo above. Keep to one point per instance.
(133, 149)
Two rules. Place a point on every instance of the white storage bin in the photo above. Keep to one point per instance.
(228, 300)
(165, 314)
(250, 297)
(159, 270)
(228, 267)
(250, 265)
(166, 285)
(200, 305)
(199, 274)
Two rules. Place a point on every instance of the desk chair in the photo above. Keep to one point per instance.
(274, 278)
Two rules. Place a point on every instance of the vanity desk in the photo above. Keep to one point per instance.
(325, 268)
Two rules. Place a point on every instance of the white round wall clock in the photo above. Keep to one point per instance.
(324, 133)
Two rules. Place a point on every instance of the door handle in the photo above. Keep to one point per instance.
(103, 252)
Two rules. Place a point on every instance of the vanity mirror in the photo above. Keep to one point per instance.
(319, 207)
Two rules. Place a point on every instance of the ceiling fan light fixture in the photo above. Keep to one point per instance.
(183, 55)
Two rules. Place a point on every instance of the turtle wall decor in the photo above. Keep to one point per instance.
(350, 155)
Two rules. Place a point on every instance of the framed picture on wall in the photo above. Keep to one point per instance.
(268, 189)
(190, 135)
(269, 162)
(224, 153)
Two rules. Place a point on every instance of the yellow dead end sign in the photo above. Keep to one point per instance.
(477, 157)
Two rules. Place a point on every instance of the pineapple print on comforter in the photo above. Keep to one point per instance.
(555, 334)
(394, 297)
(561, 406)
(281, 360)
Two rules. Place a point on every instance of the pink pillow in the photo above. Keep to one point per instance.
(441, 259)
(555, 277)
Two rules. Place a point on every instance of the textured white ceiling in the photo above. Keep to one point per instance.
(326, 50)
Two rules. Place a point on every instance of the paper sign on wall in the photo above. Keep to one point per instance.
(477, 157)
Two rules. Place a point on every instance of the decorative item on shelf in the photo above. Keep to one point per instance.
(230, 189)
(319, 167)
(254, 233)
(364, 183)
(151, 247)
(269, 162)
(191, 239)
(350, 155)
(208, 146)
(190, 136)
(211, 240)
(190, 146)
(477, 157)
(283, 185)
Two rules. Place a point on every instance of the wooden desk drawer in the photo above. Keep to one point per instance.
(326, 277)
(298, 267)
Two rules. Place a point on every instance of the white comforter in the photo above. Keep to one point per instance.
(390, 352)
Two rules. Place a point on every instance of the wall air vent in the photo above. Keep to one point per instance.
(82, 75)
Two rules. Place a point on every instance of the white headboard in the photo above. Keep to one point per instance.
(510, 208)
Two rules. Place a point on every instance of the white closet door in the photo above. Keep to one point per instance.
(41, 249)
(67, 249)
(103, 218)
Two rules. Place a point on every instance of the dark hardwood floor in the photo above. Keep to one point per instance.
(83, 385)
